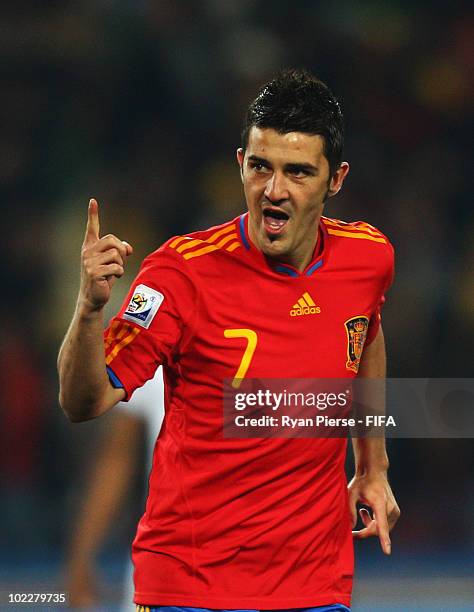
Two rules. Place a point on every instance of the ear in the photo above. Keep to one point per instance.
(337, 179)
(240, 161)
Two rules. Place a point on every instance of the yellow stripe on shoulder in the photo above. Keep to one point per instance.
(368, 228)
(221, 232)
(190, 247)
(349, 227)
(177, 240)
(360, 235)
(206, 249)
(189, 244)
(233, 246)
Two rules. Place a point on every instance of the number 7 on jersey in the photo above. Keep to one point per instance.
(251, 338)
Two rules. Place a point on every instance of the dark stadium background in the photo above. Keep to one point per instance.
(139, 103)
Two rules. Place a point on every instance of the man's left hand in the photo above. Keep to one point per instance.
(374, 490)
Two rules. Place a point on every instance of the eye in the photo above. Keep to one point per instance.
(259, 167)
(299, 172)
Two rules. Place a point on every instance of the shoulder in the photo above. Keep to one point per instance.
(356, 230)
(198, 245)
(187, 257)
(358, 234)
(362, 243)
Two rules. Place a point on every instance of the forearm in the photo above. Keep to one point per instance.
(85, 391)
(370, 484)
(83, 379)
(370, 456)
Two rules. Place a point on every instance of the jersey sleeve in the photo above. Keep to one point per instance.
(386, 274)
(155, 323)
(147, 400)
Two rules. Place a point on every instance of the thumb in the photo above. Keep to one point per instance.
(93, 226)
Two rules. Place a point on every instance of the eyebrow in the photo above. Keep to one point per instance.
(290, 166)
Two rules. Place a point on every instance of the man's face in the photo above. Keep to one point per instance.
(286, 180)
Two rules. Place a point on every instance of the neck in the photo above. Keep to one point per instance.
(299, 258)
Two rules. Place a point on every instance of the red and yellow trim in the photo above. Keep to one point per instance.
(119, 336)
(361, 231)
(194, 247)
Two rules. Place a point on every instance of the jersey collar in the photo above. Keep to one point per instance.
(283, 269)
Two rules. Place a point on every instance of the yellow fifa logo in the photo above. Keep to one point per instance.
(304, 306)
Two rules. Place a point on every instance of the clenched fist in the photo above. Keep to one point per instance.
(102, 262)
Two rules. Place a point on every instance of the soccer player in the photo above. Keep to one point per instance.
(280, 291)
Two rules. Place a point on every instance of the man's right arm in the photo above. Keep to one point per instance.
(85, 389)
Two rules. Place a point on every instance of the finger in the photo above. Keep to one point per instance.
(366, 532)
(110, 242)
(393, 516)
(128, 247)
(108, 257)
(370, 527)
(380, 515)
(92, 228)
(108, 270)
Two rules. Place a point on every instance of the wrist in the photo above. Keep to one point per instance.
(87, 310)
(370, 456)
(376, 469)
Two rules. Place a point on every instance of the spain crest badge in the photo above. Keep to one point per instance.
(356, 330)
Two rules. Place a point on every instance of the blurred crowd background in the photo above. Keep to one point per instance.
(139, 103)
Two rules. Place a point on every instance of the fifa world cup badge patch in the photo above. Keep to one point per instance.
(143, 305)
(356, 330)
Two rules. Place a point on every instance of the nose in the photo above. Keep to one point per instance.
(276, 189)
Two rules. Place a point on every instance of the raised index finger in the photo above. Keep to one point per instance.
(92, 229)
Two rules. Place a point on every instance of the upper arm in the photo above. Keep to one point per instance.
(155, 323)
(373, 363)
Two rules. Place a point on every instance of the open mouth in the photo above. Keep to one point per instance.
(274, 220)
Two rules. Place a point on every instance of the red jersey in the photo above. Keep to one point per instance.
(245, 523)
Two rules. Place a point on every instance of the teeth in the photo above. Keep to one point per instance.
(275, 223)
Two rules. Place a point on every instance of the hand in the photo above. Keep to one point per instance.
(374, 490)
(102, 262)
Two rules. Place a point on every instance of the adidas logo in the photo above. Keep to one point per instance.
(304, 306)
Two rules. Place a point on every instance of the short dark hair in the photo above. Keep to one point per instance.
(297, 101)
